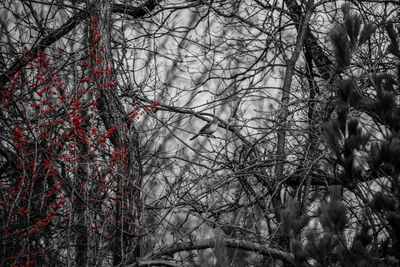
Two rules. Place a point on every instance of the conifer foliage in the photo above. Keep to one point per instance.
(376, 238)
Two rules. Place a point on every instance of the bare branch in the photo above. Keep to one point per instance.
(56, 34)
(232, 243)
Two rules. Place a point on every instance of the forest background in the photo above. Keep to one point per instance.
(98, 100)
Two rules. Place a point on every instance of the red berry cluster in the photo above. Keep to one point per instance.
(136, 115)
(58, 142)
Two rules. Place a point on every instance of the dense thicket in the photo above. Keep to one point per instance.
(98, 101)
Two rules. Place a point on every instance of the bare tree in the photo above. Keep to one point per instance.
(100, 98)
